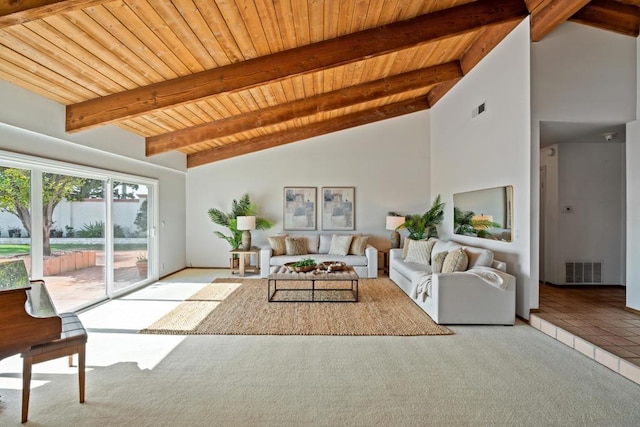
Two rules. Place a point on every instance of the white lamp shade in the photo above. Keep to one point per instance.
(394, 222)
(246, 223)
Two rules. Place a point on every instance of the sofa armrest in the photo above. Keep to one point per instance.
(395, 253)
(265, 261)
(372, 261)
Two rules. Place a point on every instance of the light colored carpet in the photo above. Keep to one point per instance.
(240, 307)
(480, 376)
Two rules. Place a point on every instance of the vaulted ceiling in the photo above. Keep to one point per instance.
(216, 79)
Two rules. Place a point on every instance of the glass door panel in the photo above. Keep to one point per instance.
(131, 234)
(15, 215)
(74, 256)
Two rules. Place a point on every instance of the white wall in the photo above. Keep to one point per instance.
(490, 150)
(27, 120)
(633, 198)
(586, 208)
(582, 74)
(387, 162)
(585, 75)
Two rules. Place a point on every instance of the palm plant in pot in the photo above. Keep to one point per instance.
(240, 207)
(421, 226)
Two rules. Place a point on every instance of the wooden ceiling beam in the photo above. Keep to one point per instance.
(610, 15)
(342, 98)
(18, 12)
(315, 129)
(547, 15)
(293, 62)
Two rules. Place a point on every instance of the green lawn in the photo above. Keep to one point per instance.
(9, 250)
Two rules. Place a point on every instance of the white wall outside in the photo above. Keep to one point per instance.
(490, 150)
(386, 162)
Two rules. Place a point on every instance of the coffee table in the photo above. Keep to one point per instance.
(317, 294)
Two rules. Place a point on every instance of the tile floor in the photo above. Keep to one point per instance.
(596, 315)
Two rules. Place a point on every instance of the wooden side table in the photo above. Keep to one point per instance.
(243, 265)
(385, 261)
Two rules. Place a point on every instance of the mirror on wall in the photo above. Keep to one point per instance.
(485, 213)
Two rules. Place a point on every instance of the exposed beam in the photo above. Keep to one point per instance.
(294, 62)
(314, 129)
(547, 15)
(342, 98)
(610, 15)
(439, 91)
(14, 12)
(486, 41)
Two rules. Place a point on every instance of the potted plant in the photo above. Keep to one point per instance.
(142, 263)
(419, 225)
(241, 207)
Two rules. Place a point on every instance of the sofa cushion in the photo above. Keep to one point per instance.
(419, 251)
(479, 257)
(456, 260)
(296, 245)
(340, 244)
(358, 245)
(325, 243)
(277, 244)
(353, 260)
(312, 242)
(437, 261)
(411, 269)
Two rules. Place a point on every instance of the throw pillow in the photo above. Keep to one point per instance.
(278, 245)
(325, 243)
(438, 261)
(340, 244)
(419, 251)
(358, 245)
(455, 261)
(312, 242)
(296, 245)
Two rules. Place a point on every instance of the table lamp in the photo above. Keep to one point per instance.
(393, 222)
(246, 223)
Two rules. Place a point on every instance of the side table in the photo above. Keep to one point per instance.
(244, 265)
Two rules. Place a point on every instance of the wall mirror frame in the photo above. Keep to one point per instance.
(485, 213)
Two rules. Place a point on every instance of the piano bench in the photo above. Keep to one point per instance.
(72, 340)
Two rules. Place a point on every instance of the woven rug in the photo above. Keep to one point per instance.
(240, 307)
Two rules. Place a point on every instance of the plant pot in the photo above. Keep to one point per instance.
(143, 268)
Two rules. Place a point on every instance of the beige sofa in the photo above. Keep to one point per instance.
(481, 294)
(318, 247)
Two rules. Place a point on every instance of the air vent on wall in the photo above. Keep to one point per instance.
(583, 272)
(479, 110)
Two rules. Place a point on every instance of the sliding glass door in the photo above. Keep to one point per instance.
(86, 232)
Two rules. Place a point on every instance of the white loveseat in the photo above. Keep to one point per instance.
(481, 294)
(318, 247)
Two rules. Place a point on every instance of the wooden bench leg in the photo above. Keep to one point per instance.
(26, 387)
(81, 371)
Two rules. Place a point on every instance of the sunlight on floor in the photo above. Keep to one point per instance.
(113, 329)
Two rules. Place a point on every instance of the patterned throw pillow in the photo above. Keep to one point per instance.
(296, 245)
(438, 261)
(358, 245)
(456, 260)
(340, 244)
(419, 251)
(278, 244)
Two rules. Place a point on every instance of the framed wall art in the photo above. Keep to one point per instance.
(338, 208)
(300, 208)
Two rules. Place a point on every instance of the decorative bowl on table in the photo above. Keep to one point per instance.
(330, 266)
(301, 266)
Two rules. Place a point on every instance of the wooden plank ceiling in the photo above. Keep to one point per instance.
(218, 79)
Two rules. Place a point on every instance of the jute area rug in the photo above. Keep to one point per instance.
(240, 307)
